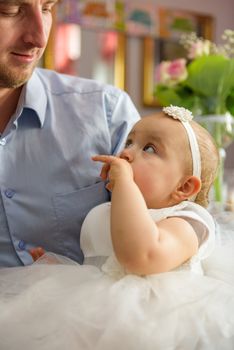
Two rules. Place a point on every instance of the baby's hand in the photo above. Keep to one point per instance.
(114, 168)
(36, 253)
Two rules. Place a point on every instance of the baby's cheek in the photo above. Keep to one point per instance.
(149, 194)
(144, 182)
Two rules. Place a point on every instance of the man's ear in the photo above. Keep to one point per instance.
(190, 187)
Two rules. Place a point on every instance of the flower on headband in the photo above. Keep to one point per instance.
(181, 113)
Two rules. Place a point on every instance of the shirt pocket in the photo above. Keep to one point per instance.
(70, 211)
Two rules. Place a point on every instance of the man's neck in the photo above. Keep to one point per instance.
(8, 102)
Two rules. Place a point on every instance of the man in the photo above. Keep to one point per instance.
(50, 126)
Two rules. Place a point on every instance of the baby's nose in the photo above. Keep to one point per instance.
(127, 155)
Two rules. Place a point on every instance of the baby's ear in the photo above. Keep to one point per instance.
(189, 188)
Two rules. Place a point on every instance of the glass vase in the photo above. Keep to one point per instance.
(221, 127)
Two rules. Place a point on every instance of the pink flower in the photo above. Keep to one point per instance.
(171, 72)
(161, 73)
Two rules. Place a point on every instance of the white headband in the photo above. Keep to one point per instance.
(185, 116)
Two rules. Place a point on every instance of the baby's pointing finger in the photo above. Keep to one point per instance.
(107, 160)
(104, 158)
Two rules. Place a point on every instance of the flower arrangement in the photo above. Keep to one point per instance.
(203, 81)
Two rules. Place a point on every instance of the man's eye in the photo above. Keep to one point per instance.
(149, 149)
(9, 12)
(47, 8)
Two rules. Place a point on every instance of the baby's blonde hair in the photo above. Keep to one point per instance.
(209, 162)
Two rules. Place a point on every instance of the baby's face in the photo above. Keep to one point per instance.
(157, 148)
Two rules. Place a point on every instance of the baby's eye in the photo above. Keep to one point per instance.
(128, 143)
(149, 149)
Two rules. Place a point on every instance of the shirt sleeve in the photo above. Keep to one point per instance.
(121, 116)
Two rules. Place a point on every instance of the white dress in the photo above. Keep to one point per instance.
(62, 305)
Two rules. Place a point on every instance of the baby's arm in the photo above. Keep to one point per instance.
(141, 245)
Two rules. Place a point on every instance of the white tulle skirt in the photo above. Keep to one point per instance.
(73, 307)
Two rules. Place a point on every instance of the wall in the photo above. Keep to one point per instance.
(221, 10)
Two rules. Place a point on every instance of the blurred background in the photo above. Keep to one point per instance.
(122, 42)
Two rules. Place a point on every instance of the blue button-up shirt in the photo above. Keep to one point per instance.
(48, 181)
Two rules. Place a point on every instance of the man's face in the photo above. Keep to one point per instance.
(24, 30)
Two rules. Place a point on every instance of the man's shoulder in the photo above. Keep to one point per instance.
(58, 83)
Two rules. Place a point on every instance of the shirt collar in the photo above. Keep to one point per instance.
(33, 97)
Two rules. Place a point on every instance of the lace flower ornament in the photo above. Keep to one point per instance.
(181, 113)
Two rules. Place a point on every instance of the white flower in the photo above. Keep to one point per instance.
(181, 113)
(199, 48)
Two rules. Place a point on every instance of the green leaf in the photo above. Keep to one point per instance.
(212, 77)
(166, 95)
(230, 102)
(179, 95)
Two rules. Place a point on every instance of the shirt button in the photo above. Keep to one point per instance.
(21, 244)
(9, 193)
(3, 142)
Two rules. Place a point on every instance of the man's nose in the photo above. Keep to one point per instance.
(36, 29)
(127, 154)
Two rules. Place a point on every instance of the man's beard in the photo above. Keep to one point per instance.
(11, 79)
